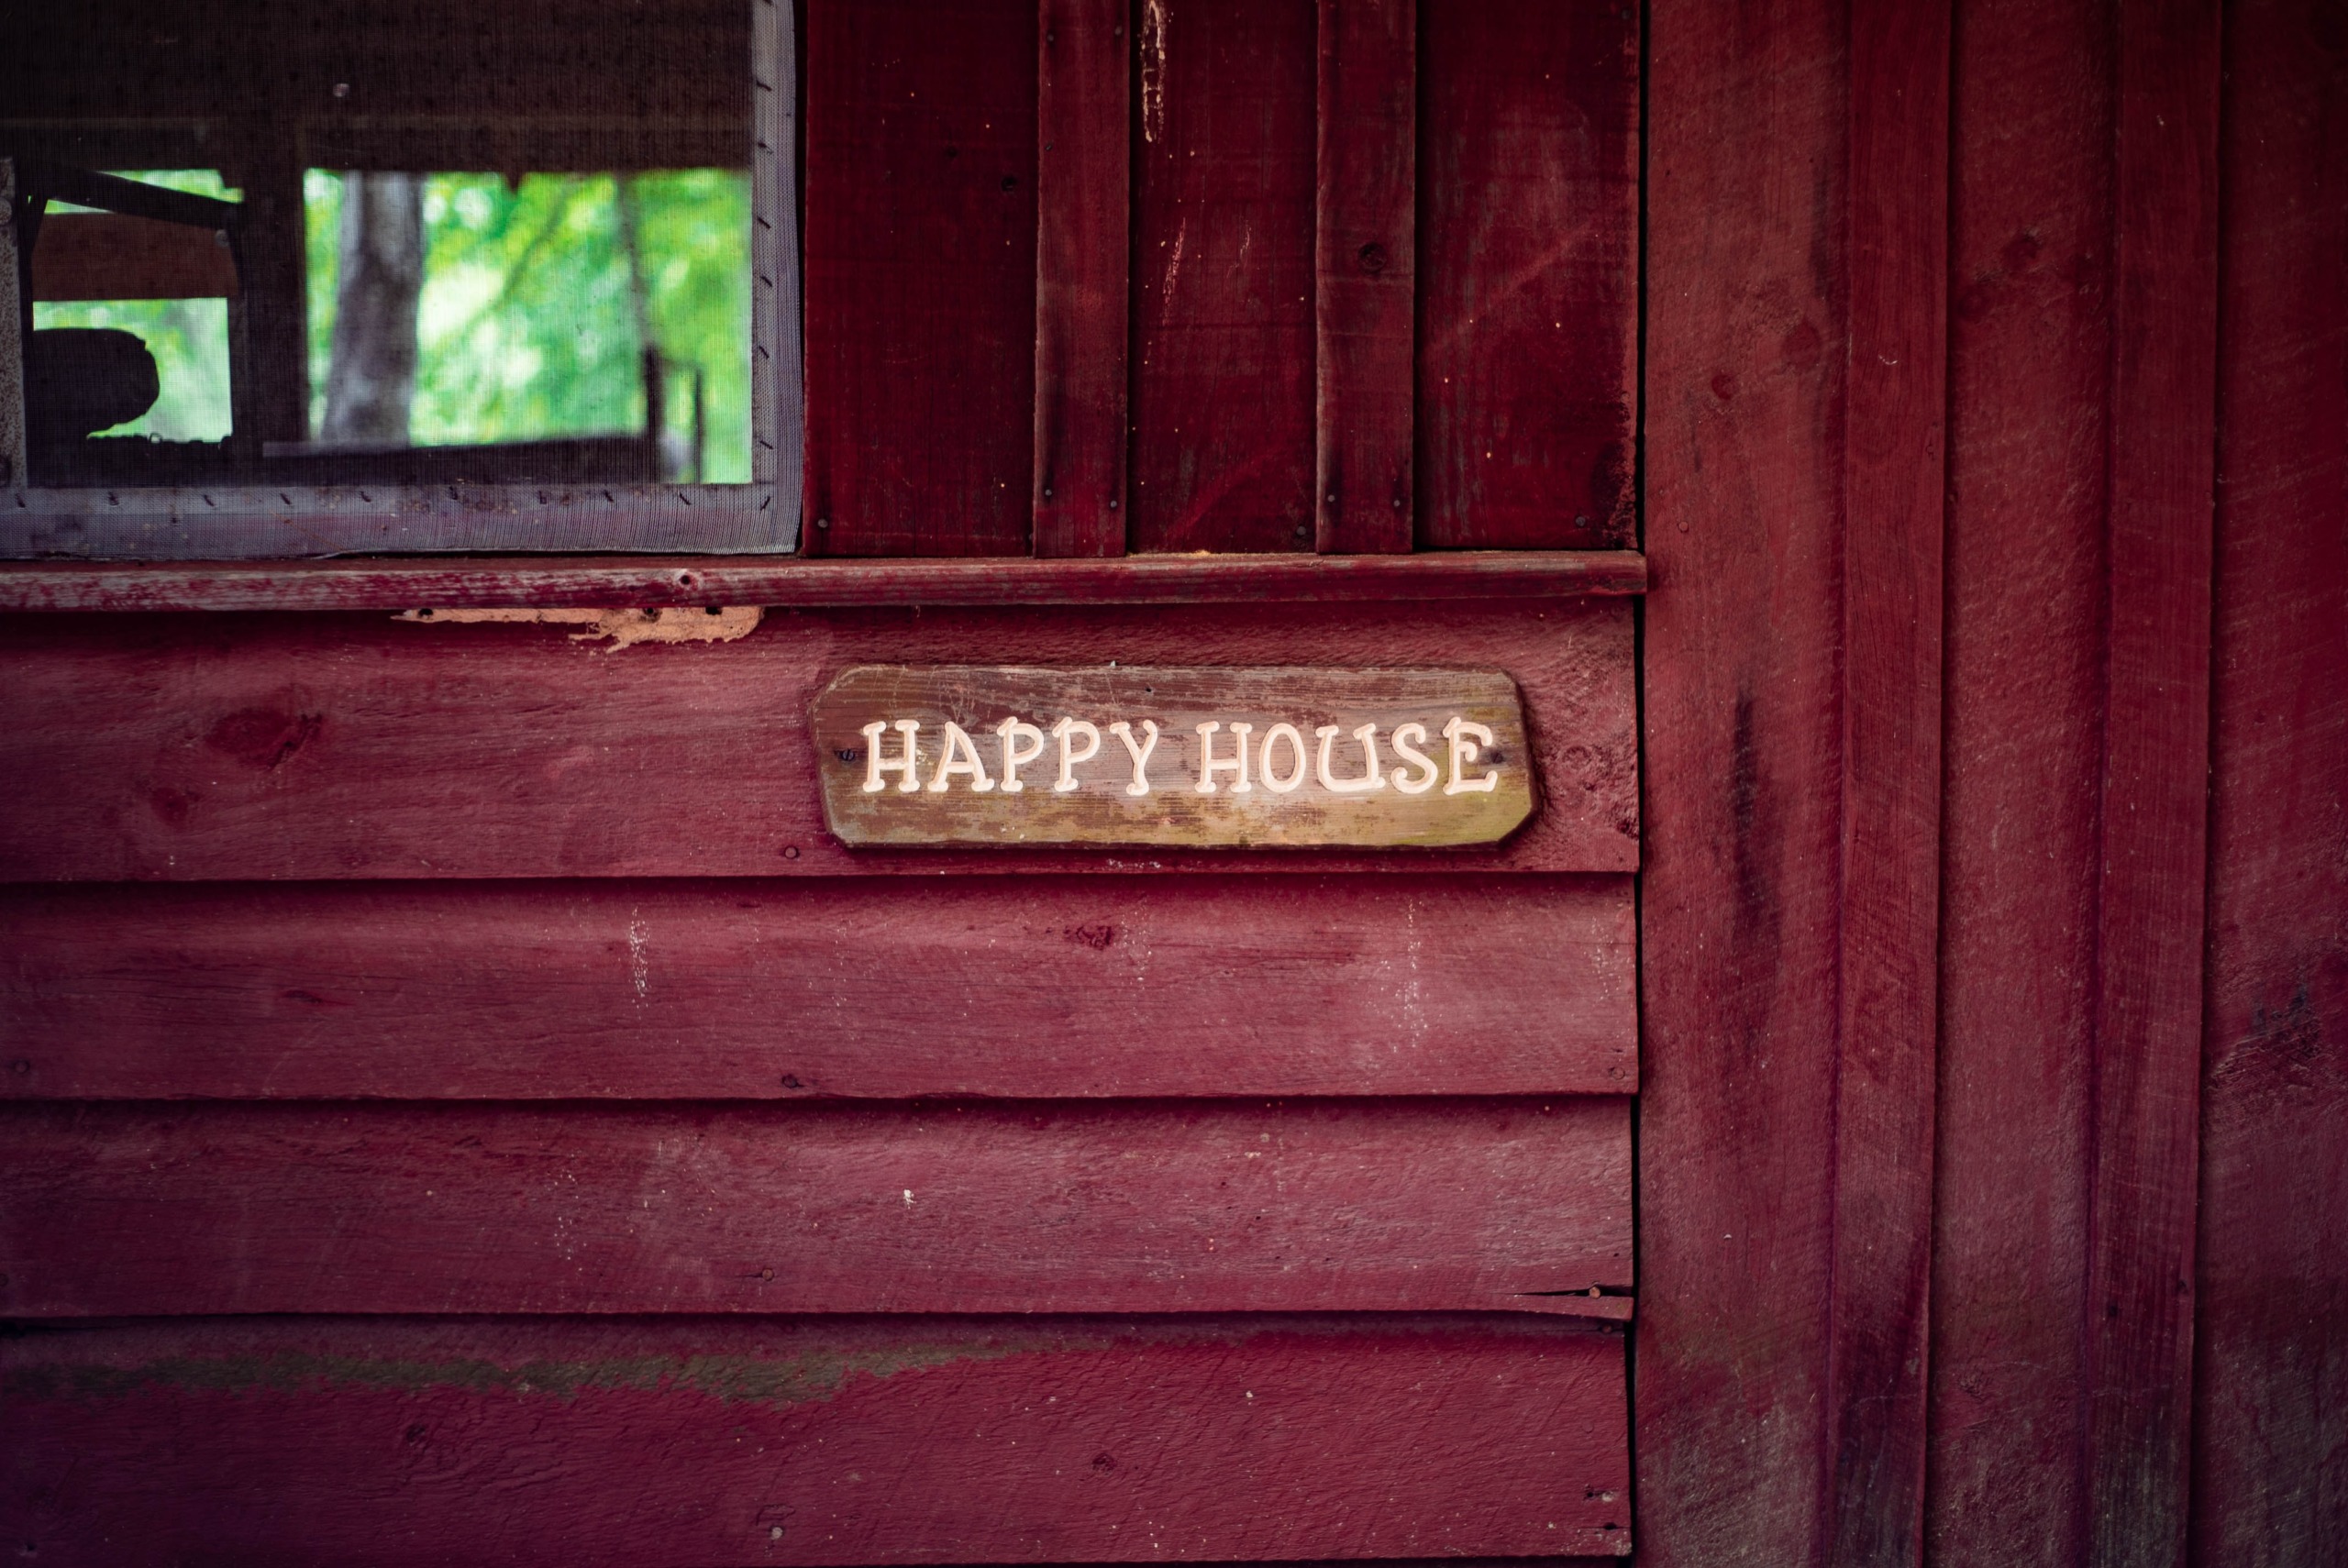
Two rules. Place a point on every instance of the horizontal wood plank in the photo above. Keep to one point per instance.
(311, 747)
(122, 1210)
(594, 582)
(770, 989)
(694, 1442)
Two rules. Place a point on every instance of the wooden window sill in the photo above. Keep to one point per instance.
(601, 581)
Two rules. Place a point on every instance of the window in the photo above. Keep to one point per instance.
(397, 275)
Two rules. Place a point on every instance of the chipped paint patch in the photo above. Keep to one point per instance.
(672, 624)
(1153, 71)
(640, 963)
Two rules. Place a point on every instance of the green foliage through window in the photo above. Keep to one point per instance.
(528, 326)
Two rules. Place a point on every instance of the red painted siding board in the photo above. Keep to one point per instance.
(1891, 593)
(920, 276)
(2270, 1417)
(769, 990)
(697, 1442)
(1365, 271)
(1527, 308)
(1083, 159)
(1739, 925)
(326, 747)
(1222, 305)
(2153, 871)
(2030, 348)
(967, 1207)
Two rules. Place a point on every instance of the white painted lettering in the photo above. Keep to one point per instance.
(874, 766)
(1466, 740)
(1283, 761)
(961, 755)
(1237, 762)
(1066, 732)
(1014, 729)
(1279, 784)
(1370, 778)
(1140, 753)
(1408, 738)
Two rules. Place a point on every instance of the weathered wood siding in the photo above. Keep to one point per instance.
(458, 1103)
(2038, 1273)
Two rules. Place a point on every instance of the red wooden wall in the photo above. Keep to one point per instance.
(464, 1106)
(1990, 1140)
(452, 1071)
(1988, 948)
(1373, 286)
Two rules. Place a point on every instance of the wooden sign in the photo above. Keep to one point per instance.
(1258, 759)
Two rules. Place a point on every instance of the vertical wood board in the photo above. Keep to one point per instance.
(2030, 351)
(1083, 161)
(1527, 311)
(2153, 871)
(1741, 715)
(2270, 1384)
(1365, 271)
(1222, 311)
(1891, 610)
(921, 214)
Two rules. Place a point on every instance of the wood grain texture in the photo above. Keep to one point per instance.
(2270, 1417)
(306, 748)
(921, 125)
(1739, 906)
(1893, 494)
(967, 1206)
(1239, 758)
(2153, 871)
(103, 256)
(2030, 353)
(1222, 303)
(1365, 270)
(693, 1442)
(1527, 306)
(660, 990)
(1083, 163)
(595, 582)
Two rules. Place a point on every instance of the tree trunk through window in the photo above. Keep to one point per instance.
(370, 380)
